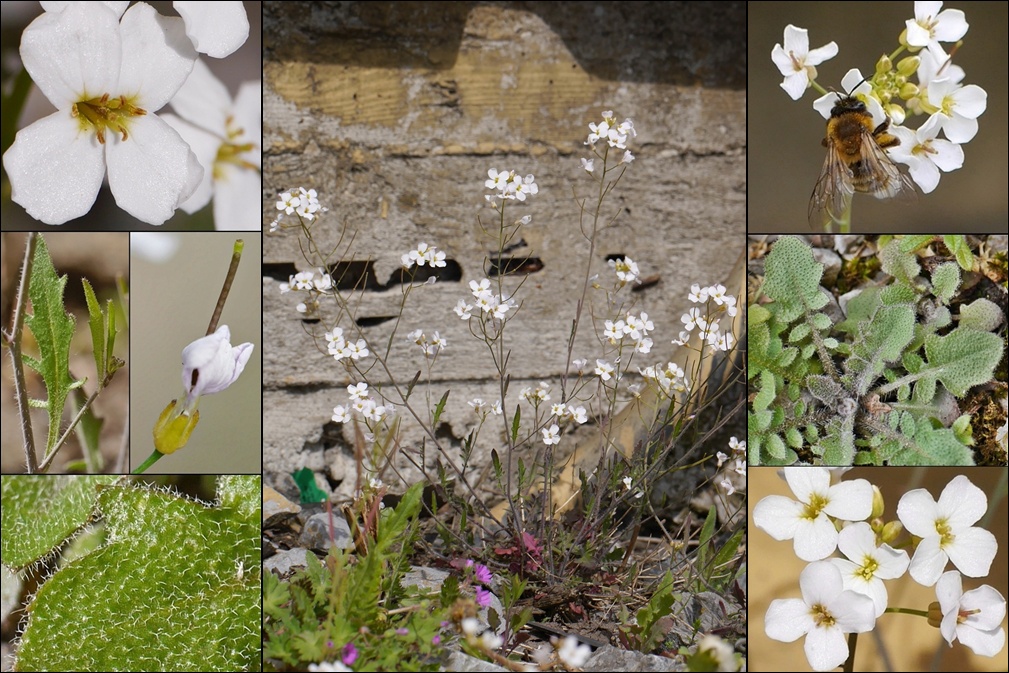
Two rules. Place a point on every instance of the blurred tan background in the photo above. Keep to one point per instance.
(783, 136)
(906, 642)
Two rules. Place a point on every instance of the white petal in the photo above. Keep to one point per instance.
(820, 583)
(204, 145)
(56, 6)
(972, 551)
(948, 590)
(236, 200)
(777, 516)
(854, 612)
(216, 28)
(929, 561)
(153, 171)
(850, 500)
(918, 512)
(985, 643)
(787, 619)
(962, 503)
(826, 648)
(159, 56)
(55, 169)
(203, 100)
(248, 116)
(805, 481)
(73, 53)
(815, 539)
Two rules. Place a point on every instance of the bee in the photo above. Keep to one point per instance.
(856, 162)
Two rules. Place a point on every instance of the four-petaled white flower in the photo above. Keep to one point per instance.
(924, 154)
(551, 435)
(824, 614)
(947, 531)
(959, 108)
(807, 521)
(106, 79)
(210, 364)
(604, 370)
(572, 653)
(869, 564)
(974, 618)
(796, 61)
(929, 26)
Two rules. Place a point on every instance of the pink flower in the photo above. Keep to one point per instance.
(349, 655)
(482, 597)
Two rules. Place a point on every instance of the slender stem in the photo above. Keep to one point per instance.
(124, 444)
(151, 459)
(66, 434)
(908, 611)
(20, 391)
(236, 257)
(849, 665)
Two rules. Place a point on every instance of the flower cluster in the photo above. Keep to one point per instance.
(489, 303)
(107, 69)
(361, 402)
(482, 408)
(541, 393)
(669, 380)
(342, 348)
(306, 281)
(510, 185)
(735, 469)
(301, 202)
(423, 254)
(847, 595)
(431, 347)
(889, 93)
(626, 270)
(707, 321)
(615, 134)
(635, 327)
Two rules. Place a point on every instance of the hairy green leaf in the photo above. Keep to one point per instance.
(945, 281)
(53, 329)
(963, 358)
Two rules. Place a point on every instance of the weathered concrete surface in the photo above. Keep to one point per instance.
(395, 111)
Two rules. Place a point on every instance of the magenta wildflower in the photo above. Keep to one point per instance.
(482, 597)
(482, 573)
(349, 654)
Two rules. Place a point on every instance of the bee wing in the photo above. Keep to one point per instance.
(877, 174)
(833, 189)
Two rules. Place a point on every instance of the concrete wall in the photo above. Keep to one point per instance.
(395, 111)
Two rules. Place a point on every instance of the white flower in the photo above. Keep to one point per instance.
(627, 158)
(579, 364)
(721, 651)
(929, 26)
(572, 653)
(628, 482)
(626, 268)
(869, 564)
(946, 530)
(698, 294)
(959, 108)
(588, 165)
(795, 60)
(551, 435)
(329, 667)
(210, 364)
(358, 350)
(974, 618)
(226, 137)
(470, 626)
(604, 370)
(693, 318)
(341, 414)
(806, 522)
(924, 154)
(557, 409)
(525, 187)
(824, 614)
(358, 391)
(577, 414)
(106, 79)
(727, 485)
(737, 446)
(490, 640)
(462, 309)
(496, 409)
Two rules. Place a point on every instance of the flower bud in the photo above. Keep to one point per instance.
(883, 65)
(173, 428)
(909, 65)
(210, 364)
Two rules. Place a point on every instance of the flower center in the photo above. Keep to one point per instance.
(945, 532)
(816, 504)
(106, 113)
(821, 617)
(868, 569)
(962, 615)
(232, 149)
